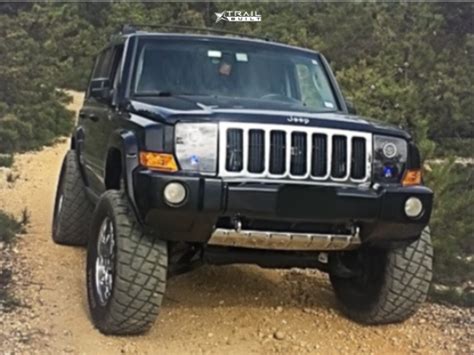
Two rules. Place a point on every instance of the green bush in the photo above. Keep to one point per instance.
(6, 160)
(460, 147)
(452, 227)
(32, 110)
(9, 227)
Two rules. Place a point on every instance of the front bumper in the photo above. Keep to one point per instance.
(379, 213)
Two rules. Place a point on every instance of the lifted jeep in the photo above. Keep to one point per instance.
(199, 148)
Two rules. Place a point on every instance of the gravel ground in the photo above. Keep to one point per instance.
(213, 310)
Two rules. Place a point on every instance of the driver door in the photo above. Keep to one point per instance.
(97, 119)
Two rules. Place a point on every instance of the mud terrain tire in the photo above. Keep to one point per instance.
(138, 267)
(392, 284)
(72, 209)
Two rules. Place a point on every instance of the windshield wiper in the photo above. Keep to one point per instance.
(167, 94)
(156, 93)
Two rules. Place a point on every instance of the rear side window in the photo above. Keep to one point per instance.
(103, 64)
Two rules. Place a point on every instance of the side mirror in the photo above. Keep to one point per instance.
(100, 89)
(351, 107)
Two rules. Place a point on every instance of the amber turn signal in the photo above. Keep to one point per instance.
(412, 177)
(158, 161)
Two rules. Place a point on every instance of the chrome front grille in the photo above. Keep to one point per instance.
(293, 153)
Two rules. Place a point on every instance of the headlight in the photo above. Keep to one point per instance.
(390, 158)
(196, 147)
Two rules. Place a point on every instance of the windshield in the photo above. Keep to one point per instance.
(232, 70)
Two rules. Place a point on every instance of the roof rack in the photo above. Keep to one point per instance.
(132, 28)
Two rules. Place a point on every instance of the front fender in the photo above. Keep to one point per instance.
(127, 143)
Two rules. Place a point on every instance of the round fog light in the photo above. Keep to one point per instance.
(413, 207)
(174, 193)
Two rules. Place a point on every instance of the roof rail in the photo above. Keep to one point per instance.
(132, 28)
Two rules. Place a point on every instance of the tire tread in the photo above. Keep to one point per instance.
(76, 212)
(141, 270)
(405, 284)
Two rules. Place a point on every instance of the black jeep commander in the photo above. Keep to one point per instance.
(198, 149)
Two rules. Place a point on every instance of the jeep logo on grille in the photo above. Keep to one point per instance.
(294, 119)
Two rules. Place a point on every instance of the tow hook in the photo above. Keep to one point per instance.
(237, 224)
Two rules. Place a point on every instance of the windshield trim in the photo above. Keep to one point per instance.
(229, 39)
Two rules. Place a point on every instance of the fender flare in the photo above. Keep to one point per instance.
(77, 141)
(127, 143)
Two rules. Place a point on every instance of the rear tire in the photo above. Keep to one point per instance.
(126, 269)
(390, 285)
(72, 209)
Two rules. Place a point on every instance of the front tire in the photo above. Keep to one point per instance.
(72, 209)
(126, 269)
(389, 286)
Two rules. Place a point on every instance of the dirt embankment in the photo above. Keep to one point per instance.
(233, 310)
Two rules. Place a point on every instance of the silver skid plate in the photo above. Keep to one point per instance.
(284, 240)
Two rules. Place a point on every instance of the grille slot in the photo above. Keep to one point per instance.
(319, 158)
(339, 157)
(276, 152)
(358, 164)
(234, 154)
(256, 162)
(298, 153)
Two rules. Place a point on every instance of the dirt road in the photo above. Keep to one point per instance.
(232, 310)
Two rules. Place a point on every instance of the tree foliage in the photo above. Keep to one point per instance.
(452, 225)
(31, 109)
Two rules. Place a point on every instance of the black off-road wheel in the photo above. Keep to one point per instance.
(389, 285)
(126, 269)
(72, 209)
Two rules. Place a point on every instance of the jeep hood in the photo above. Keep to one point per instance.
(172, 109)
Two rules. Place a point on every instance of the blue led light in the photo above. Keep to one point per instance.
(388, 171)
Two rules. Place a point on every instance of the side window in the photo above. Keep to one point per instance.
(94, 73)
(101, 67)
(105, 67)
(98, 62)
